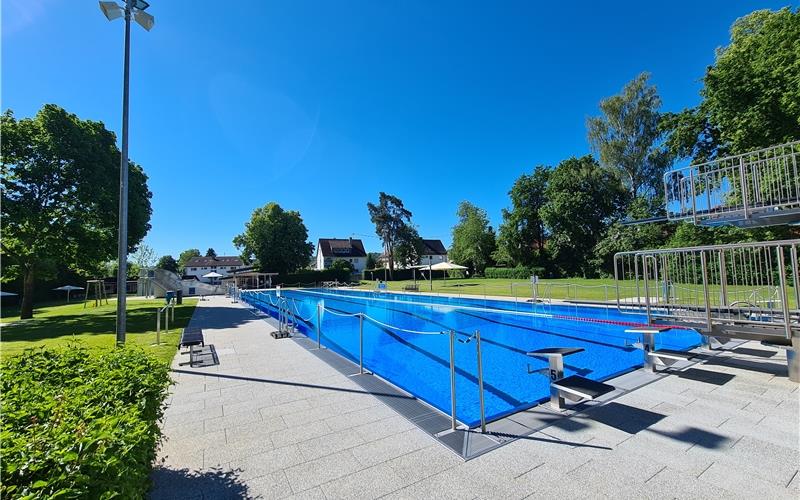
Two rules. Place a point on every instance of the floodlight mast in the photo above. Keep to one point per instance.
(112, 11)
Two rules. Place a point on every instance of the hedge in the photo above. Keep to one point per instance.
(397, 275)
(80, 423)
(517, 273)
(313, 276)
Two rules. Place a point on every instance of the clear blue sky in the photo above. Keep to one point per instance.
(320, 105)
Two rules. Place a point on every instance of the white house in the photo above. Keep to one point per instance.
(198, 266)
(433, 252)
(330, 250)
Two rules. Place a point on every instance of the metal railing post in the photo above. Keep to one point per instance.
(723, 278)
(704, 270)
(795, 277)
(361, 343)
(743, 184)
(158, 326)
(453, 377)
(166, 319)
(646, 290)
(787, 323)
(480, 379)
(694, 198)
(319, 327)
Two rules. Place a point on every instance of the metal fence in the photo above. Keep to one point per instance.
(745, 283)
(757, 185)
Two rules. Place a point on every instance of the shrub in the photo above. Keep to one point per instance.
(312, 276)
(517, 273)
(80, 423)
(398, 275)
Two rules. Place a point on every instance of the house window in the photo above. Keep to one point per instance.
(194, 269)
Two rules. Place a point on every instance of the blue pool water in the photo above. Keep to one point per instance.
(420, 363)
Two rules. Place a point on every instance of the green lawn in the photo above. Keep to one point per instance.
(565, 289)
(58, 324)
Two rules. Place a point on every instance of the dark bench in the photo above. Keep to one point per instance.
(575, 388)
(411, 288)
(191, 336)
(193, 339)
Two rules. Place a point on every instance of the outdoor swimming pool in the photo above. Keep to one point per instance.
(406, 341)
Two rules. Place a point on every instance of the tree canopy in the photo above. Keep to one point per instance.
(186, 256)
(582, 199)
(60, 196)
(473, 238)
(275, 239)
(750, 95)
(211, 252)
(168, 263)
(393, 226)
(629, 139)
(522, 232)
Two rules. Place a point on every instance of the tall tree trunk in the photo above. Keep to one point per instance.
(26, 308)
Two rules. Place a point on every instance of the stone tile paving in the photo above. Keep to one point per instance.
(274, 421)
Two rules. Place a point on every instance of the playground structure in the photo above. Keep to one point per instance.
(98, 289)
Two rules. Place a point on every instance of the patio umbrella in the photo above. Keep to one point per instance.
(446, 266)
(212, 275)
(68, 289)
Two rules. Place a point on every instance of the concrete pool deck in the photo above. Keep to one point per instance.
(273, 420)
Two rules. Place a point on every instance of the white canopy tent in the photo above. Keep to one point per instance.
(441, 266)
(68, 288)
(213, 275)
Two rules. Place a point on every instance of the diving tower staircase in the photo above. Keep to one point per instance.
(747, 291)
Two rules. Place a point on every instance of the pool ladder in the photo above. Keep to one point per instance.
(286, 320)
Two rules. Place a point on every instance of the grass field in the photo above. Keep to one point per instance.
(53, 325)
(567, 289)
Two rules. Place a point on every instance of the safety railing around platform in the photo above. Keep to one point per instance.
(762, 187)
(753, 284)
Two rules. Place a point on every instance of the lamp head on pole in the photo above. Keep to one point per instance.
(112, 10)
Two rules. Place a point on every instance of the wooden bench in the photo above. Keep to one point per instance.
(411, 288)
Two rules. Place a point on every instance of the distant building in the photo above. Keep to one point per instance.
(329, 250)
(433, 252)
(198, 266)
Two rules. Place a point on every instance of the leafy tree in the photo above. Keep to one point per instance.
(392, 222)
(409, 246)
(211, 253)
(522, 232)
(751, 94)
(168, 263)
(276, 239)
(372, 261)
(628, 137)
(144, 256)
(186, 256)
(473, 238)
(343, 264)
(623, 238)
(60, 179)
(582, 200)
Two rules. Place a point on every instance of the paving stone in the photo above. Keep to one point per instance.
(746, 485)
(268, 462)
(273, 485)
(330, 443)
(390, 447)
(373, 482)
(231, 421)
(320, 471)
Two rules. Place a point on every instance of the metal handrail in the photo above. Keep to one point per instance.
(694, 284)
